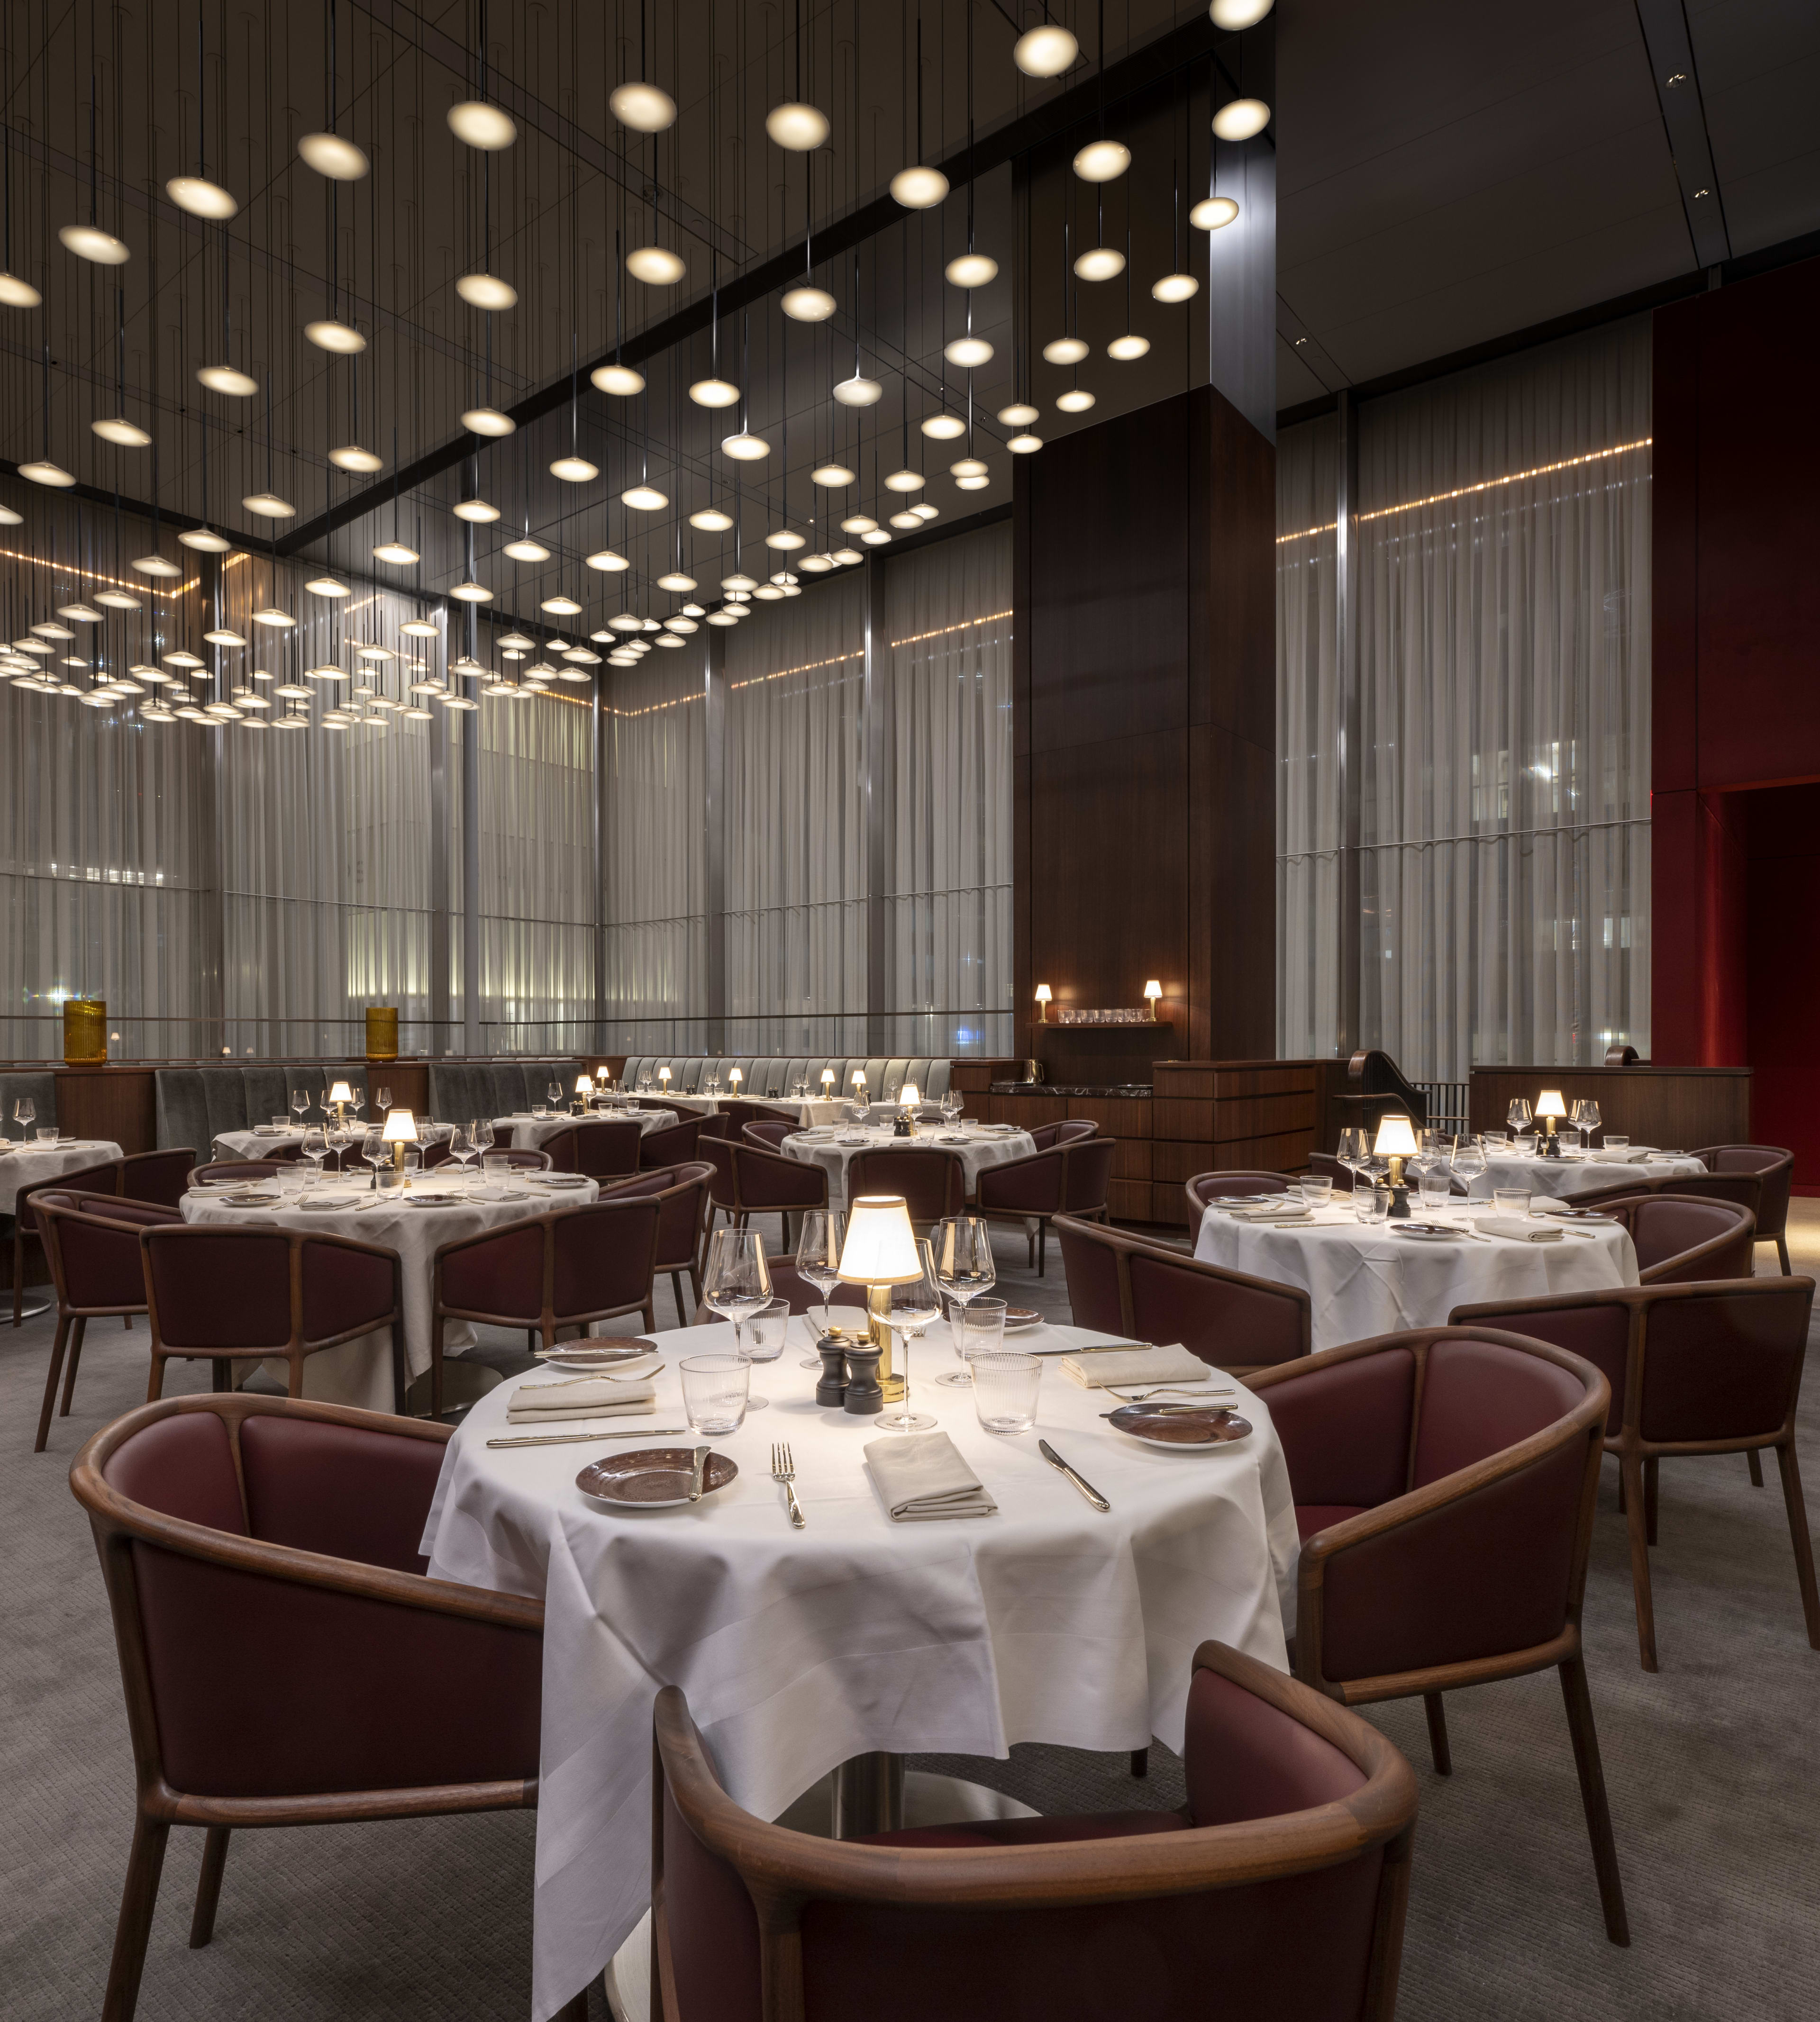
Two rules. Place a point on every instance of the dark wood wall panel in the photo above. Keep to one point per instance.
(1674, 1108)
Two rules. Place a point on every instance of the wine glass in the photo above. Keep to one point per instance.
(911, 1306)
(373, 1151)
(316, 1148)
(24, 1110)
(1354, 1149)
(336, 1138)
(480, 1135)
(953, 1102)
(1587, 1120)
(737, 1284)
(965, 1271)
(1520, 1114)
(460, 1148)
(357, 1095)
(299, 1103)
(818, 1249)
(857, 1113)
(1469, 1160)
(552, 1094)
(381, 1102)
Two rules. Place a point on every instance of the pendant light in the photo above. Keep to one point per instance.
(15, 292)
(1240, 118)
(1234, 14)
(1045, 52)
(918, 188)
(1131, 345)
(1180, 286)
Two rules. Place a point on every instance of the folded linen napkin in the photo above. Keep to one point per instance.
(1170, 1364)
(921, 1476)
(1292, 1210)
(619, 1396)
(1620, 1155)
(1522, 1231)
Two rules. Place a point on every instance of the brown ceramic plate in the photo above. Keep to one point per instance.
(652, 1478)
(1181, 1425)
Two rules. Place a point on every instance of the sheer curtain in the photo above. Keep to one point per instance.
(947, 804)
(1503, 542)
(654, 856)
(794, 823)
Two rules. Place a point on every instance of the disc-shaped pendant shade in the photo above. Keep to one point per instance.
(918, 188)
(488, 421)
(156, 565)
(471, 593)
(574, 470)
(677, 582)
(906, 522)
(1125, 348)
(561, 607)
(968, 466)
(1045, 52)
(656, 265)
(268, 506)
(620, 379)
(1212, 212)
(796, 127)
(397, 553)
(526, 550)
(1100, 263)
(487, 127)
(206, 541)
(1075, 401)
(944, 428)
(419, 628)
(714, 393)
(711, 520)
(1017, 416)
(1238, 14)
(859, 392)
(17, 294)
(905, 480)
(325, 586)
(972, 483)
(89, 241)
(1175, 288)
(45, 472)
(224, 379)
(833, 476)
(119, 430)
(606, 559)
(1103, 161)
(201, 198)
(330, 156)
(1239, 119)
(644, 498)
(352, 457)
(1024, 445)
(808, 304)
(277, 620)
(1065, 350)
(327, 334)
(476, 511)
(971, 270)
(486, 291)
(745, 447)
(968, 352)
(643, 107)
(785, 540)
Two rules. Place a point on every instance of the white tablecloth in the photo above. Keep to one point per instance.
(974, 1151)
(1366, 1280)
(798, 1649)
(260, 1145)
(26, 1167)
(359, 1372)
(528, 1134)
(1571, 1173)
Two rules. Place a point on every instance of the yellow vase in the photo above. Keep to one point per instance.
(382, 1032)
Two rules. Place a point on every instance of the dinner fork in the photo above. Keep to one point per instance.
(1171, 1389)
(784, 1469)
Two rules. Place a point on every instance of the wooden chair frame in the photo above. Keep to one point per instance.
(783, 1871)
(543, 1325)
(297, 1350)
(72, 1320)
(1035, 1221)
(1263, 1182)
(24, 1235)
(1637, 1457)
(1630, 1195)
(117, 1523)
(1125, 1245)
(694, 1267)
(1584, 1426)
(1785, 1162)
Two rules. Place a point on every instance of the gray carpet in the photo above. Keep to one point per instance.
(1711, 1765)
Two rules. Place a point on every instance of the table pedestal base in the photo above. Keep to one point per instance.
(922, 1799)
(869, 1796)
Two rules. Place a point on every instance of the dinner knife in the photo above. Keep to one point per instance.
(1062, 1467)
(698, 1463)
(576, 1439)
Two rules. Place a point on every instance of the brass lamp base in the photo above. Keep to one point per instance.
(878, 1303)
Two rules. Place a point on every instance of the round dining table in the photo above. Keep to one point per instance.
(833, 1149)
(359, 1372)
(25, 1165)
(263, 1140)
(800, 1649)
(1367, 1279)
(1578, 1172)
(527, 1132)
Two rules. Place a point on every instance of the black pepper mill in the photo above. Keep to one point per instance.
(865, 1395)
(832, 1390)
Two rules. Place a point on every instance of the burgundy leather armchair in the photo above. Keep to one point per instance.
(1774, 1168)
(768, 1133)
(606, 1151)
(1445, 1481)
(284, 1659)
(547, 1273)
(768, 1183)
(91, 1242)
(682, 1195)
(1071, 1130)
(1280, 1893)
(673, 1145)
(1122, 1283)
(1679, 1238)
(237, 1169)
(222, 1293)
(103, 1177)
(160, 1177)
(933, 1182)
(1205, 1187)
(1695, 1369)
(1070, 1179)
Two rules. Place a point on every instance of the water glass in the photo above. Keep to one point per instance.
(1526, 1144)
(766, 1330)
(1496, 1141)
(1435, 1189)
(1371, 1203)
(715, 1389)
(1512, 1201)
(978, 1329)
(1315, 1193)
(1004, 1390)
(495, 1174)
(1613, 1141)
(281, 1122)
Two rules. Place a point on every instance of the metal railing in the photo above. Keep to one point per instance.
(1447, 1105)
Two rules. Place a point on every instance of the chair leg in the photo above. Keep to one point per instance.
(676, 1294)
(137, 1900)
(1649, 1467)
(1579, 1702)
(1632, 1465)
(1042, 1247)
(436, 1332)
(18, 1274)
(57, 1352)
(1140, 1762)
(1030, 1244)
(1797, 1508)
(650, 1313)
(1438, 1746)
(220, 1374)
(1756, 1468)
(202, 1923)
(154, 1380)
(69, 1375)
(1782, 1252)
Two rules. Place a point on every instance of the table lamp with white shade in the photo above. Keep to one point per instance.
(663, 1079)
(908, 1100)
(880, 1252)
(734, 1080)
(1043, 1000)
(827, 1084)
(1153, 990)
(860, 1092)
(1396, 1141)
(401, 1130)
(1550, 1106)
(338, 1099)
(584, 1089)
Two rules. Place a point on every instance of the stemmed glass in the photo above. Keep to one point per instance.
(1354, 1149)
(24, 1110)
(857, 1113)
(818, 1249)
(1469, 1160)
(460, 1148)
(336, 1138)
(737, 1284)
(316, 1149)
(358, 1097)
(381, 1102)
(553, 1095)
(912, 1306)
(965, 1271)
(953, 1102)
(1520, 1114)
(480, 1135)
(373, 1151)
(1585, 1119)
(299, 1103)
